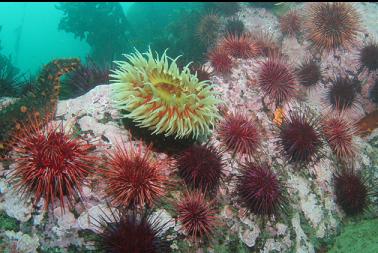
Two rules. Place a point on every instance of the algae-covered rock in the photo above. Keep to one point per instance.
(358, 237)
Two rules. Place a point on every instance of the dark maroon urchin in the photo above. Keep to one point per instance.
(201, 167)
(300, 137)
(239, 134)
(235, 27)
(351, 192)
(342, 94)
(203, 72)
(87, 77)
(131, 231)
(260, 190)
(309, 73)
(368, 56)
(277, 80)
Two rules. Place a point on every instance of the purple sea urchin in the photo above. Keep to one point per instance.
(351, 192)
(130, 231)
(201, 167)
(342, 94)
(299, 136)
(309, 73)
(235, 27)
(259, 190)
(87, 76)
(202, 72)
(368, 56)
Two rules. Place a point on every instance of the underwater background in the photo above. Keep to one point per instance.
(188, 127)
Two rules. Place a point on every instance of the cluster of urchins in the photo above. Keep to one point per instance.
(52, 162)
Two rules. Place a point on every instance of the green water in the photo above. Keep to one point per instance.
(34, 34)
(30, 33)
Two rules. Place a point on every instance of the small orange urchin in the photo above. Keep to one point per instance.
(332, 25)
(240, 46)
(291, 23)
(339, 133)
(50, 162)
(197, 215)
(134, 178)
(239, 134)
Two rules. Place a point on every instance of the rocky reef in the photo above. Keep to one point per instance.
(309, 212)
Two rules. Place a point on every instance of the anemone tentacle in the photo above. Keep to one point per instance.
(157, 95)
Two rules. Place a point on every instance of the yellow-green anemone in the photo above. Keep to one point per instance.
(157, 95)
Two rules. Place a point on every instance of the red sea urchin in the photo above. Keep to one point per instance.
(50, 162)
(201, 167)
(291, 23)
(299, 136)
(332, 25)
(266, 42)
(351, 192)
(134, 178)
(277, 80)
(339, 133)
(197, 215)
(342, 95)
(239, 134)
(220, 60)
(131, 231)
(260, 190)
(240, 46)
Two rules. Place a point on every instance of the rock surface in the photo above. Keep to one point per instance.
(314, 214)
